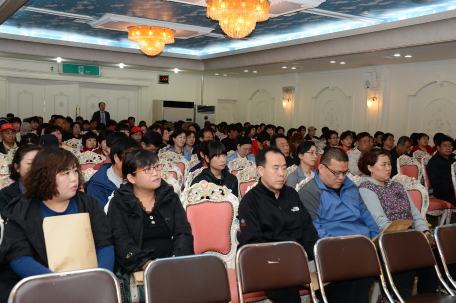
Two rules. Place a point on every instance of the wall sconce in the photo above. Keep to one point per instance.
(370, 100)
(288, 92)
(286, 101)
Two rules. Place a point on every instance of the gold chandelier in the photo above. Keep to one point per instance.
(238, 18)
(151, 39)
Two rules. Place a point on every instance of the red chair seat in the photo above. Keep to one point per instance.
(449, 205)
(435, 203)
(254, 296)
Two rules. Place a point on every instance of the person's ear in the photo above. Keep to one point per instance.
(116, 159)
(260, 170)
(16, 167)
(370, 168)
(320, 166)
(131, 179)
(143, 145)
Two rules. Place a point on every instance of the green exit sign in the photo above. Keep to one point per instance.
(77, 69)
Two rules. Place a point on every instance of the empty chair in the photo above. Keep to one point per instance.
(192, 279)
(347, 258)
(89, 285)
(262, 267)
(444, 237)
(410, 250)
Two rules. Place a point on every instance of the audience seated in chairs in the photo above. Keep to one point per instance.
(378, 139)
(177, 141)
(295, 140)
(146, 216)
(51, 189)
(403, 146)
(388, 142)
(337, 209)
(243, 150)
(307, 154)
(280, 142)
(110, 139)
(76, 129)
(136, 133)
(346, 141)
(422, 144)
(190, 141)
(109, 176)
(272, 212)
(388, 201)
(20, 166)
(214, 153)
(261, 141)
(103, 147)
(439, 170)
(152, 141)
(364, 143)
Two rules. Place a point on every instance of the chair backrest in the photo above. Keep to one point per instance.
(315, 167)
(168, 177)
(427, 181)
(416, 191)
(239, 164)
(88, 285)
(74, 143)
(168, 166)
(444, 237)
(211, 211)
(193, 161)
(261, 267)
(406, 250)
(88, 173)
(291, 169)
(410, 167)
(177, 159)
(90, 157)
(191, 279)
(355, 178)
(246, 177)
(192, 176)
(85, 167)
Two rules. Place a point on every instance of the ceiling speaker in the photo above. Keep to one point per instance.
(370, 80)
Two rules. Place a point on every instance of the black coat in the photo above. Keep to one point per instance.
(97, 116)
(230, 144)
(24, 234)
(227, 179)
(8, 193)
(125, 216)
(266, 219)
(439, 171)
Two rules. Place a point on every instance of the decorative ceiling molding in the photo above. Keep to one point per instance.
(57, 13)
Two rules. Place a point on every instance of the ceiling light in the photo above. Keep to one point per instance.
(238, 18)
(59, 59)
(254, 71)
(294, 67)
(224, 75)
(176, 70)
(151, 39)
(408, 56)
(332, 61)
(121, 65)
(397, 55)
(284, 67)
(342, 62)
(246, 70)
(216, 74)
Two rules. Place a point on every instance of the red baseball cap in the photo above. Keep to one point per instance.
(7, 126)
(135, 129)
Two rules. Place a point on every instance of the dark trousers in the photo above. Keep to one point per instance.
(284, 295)
(355, 291)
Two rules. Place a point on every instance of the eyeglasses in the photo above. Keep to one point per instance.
(313, 154)
(337, 173)
(150, 169)
(447, 146)
(247, 150)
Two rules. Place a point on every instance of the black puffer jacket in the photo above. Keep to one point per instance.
(227, 179)
(125, 216)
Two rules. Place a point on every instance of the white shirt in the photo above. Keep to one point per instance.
(114, 178)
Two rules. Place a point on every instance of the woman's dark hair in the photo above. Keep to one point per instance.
(291, 131)
(279, 128)
(113, 137)
(138, 159)
(189, 132)
(385, 137)
(263, 136)
(121, 147)
(72, 125)
(40, 128)
(414, 138)
(420, 136)
(16, 120)
(305, 146)
(370, 158)
(18, 157)
(212, 149)
(436, 137)
(328, 134)
(87, 136)
(52, 128)
(29, 139)
(249, 129)
(297, 138)
(175, 134)
(122, 127)
(40, 182)
(103, 135)
(344, 135)
(152, 138)
(154, 127)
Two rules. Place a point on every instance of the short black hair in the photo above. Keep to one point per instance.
(56, 118)
(122, 127)
(324, 129)
(333, 153)
(103, 135)
(246, 123)
(385, 136)
(29, 138)
(344, 135)
(436, 137)
(100, 104)
(329, 133)
(274, 139)
(40, 128)
(100, 126)
(305, 146)
(35, 119)
(138, 159)
(18, 157)
(301, 127)
(68, 119)
(92, 120)
(378, 133)
(403, 140)
(75, 123)
(175, 134)
(17, 120)
(362, 135)
(121, 146)
(79, 118)
(131, 118)
(113, 137)
(444, 138)
(52, 128)
(87, 136)
(212, 149)
(420, 136)
(280, 128)
(263, 136)
(85, 122)
(10, 115)
(244, 140)
(270, 126)
(260, 159)
(152, 138)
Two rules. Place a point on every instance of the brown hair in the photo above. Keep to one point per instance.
(298, 139)
(370, 158)
(40, 181)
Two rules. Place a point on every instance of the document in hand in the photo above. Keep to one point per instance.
(396, 225)
(69, 242)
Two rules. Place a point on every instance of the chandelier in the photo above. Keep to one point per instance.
(238, 18)
(151, 39)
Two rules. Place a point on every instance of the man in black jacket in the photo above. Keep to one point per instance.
(439, 170)
(230, 141)
(403, 147)
(272, 212)
(102, 116)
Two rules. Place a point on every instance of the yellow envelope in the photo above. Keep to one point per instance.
(69, 242)
(139, 277)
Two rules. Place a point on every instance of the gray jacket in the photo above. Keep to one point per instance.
(375, 208)
(297, 176)
(310, 197)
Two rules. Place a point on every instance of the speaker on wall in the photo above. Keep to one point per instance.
(370, 80)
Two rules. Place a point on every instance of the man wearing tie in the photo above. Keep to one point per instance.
(102, 116)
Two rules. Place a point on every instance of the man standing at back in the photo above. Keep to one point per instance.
(272, 212)
(102, 116)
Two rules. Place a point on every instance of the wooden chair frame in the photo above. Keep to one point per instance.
(246, 175)
(192, 176)
(239, 164)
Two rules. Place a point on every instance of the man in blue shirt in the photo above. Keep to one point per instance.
(335, 205)
(243, 150)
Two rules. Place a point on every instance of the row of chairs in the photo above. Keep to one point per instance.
(259, 267)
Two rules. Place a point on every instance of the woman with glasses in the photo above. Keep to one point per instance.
(388, 142)
(146, 216)
(243, 150)
(214, 153)
(307, 154)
